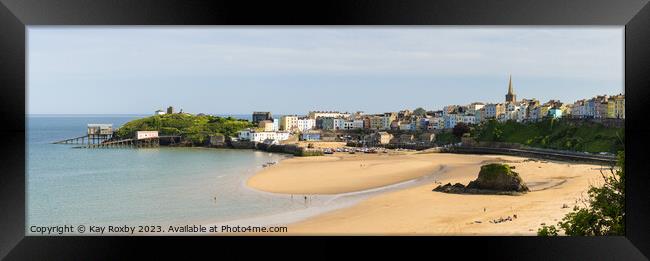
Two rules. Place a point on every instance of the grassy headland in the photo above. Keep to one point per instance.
(195, 128)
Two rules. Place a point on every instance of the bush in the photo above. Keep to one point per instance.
(604, 210)
(446, 138)
(460, 129)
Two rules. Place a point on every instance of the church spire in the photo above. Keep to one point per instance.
(510, 91)
(511, 97)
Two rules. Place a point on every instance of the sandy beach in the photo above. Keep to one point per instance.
(416, 210)
(341, 173)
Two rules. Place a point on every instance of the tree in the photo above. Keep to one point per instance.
(603, 212)
(497, 134)
(460, 129)
(419, 112)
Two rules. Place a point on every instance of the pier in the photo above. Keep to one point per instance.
(149, 142)
(86, 139)
(101, 136)
(126, 143)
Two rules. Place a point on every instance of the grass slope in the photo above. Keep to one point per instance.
(554, 134)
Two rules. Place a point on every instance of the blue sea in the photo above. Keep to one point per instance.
(164, 186)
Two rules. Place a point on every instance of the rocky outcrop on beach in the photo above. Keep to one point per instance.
(493, 178)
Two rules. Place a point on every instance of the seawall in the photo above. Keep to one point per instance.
(278, 148)
(535, 153)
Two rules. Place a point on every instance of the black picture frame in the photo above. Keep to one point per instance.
(15, 15)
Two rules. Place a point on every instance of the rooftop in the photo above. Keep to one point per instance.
(100, 125)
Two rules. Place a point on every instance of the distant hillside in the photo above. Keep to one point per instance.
(560, 134)
(192, 127)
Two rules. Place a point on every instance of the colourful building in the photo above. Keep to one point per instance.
(555, 113)
(616, 107)
(310, 135)
(377, 122)
(288, 122)
(493, 110)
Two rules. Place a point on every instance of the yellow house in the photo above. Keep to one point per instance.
(616, 107)
(288, 122)
(267, 125)
(376, 122)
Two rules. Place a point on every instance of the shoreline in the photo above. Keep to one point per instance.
(318, 204)
(383, 211)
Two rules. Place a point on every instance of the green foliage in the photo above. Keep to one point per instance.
(446, 138)
(497, 134)
(603, 213)
(547, 231)
(195, 128)
(460, 129)
(492, 170)
(554, 134)
(419, 111)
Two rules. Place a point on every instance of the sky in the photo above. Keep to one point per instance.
(293, 70)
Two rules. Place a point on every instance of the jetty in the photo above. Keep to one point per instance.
(101, 136)
(148, 142)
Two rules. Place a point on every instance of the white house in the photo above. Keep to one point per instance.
(351, 125)
(331, 114)
(339, 123)
(474, 107)
(407, 126)
(276, 124)
(159, 112)
(521, 113)
(306, 124)
(468, 119)
(578, 109)
(146, 134)
(263, 136)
